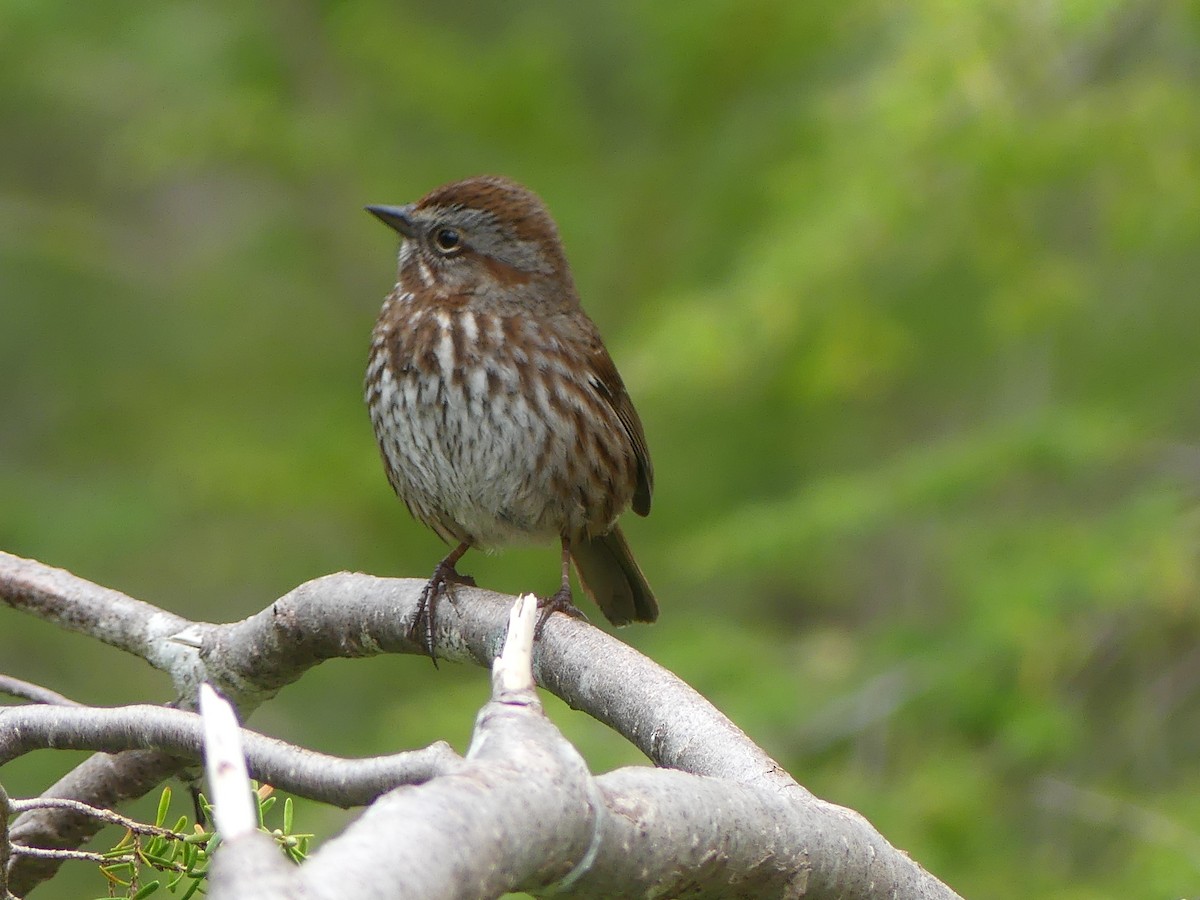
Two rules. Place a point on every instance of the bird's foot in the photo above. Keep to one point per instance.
(559, 601)
(441, 584)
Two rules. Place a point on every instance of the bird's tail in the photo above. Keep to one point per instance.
(611, 577)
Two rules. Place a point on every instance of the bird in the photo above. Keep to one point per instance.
(500, 416)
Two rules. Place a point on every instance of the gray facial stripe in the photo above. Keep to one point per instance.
(489, 236)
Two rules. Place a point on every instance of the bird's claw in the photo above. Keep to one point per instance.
(440, 584)
(559, 601)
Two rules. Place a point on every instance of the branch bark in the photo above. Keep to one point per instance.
(317, 776)
(522, 800)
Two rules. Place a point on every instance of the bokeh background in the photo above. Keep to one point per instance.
(905, 293)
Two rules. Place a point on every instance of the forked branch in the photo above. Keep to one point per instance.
(719, 816)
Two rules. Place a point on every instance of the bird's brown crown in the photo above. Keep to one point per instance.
(512, 204)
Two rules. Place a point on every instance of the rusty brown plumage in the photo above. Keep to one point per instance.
(500, 415)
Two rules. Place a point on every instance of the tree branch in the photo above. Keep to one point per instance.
(522, 813)
(521, 803)
(73, 603)
(317, 776)
(101, 780)
(35, 693)
(349, 615)
(511, 813)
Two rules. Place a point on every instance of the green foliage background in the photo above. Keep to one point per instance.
(905, 293)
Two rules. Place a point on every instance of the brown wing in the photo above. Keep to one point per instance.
(608, 381)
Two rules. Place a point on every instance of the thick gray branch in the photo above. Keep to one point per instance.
(75, 604)
(522, 813)
(516, 811)
(351, 614)
(543, 816)
(318, 776)
(674, 834)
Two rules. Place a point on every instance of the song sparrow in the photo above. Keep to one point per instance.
(499, 413)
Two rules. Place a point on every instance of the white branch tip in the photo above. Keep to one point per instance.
(225, 763)
(513, 668)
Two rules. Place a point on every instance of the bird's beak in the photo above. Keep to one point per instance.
(397, 218)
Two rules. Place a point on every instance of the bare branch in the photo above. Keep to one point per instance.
(55, 595)
(522, 805)
(101, 780)
(328, 779)
(348, 615)
(35, 693)
(106, 815)
(517, 812)
(672, 834)
(522, 813)
(63, 855)
(73, 603)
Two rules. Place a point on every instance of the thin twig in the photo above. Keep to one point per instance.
(104, 815)
(27, 690)
(83, 855)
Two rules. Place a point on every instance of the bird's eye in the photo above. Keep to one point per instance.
(447, 241)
